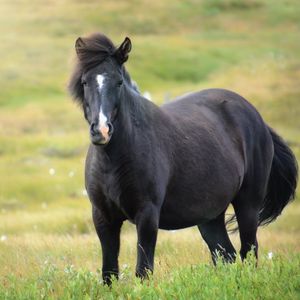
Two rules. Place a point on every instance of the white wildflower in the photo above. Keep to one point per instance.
(71, 174)
(52, 171)
(270, 255)
(3, 238)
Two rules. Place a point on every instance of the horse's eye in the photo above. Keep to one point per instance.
(83, 82)
(120, 82)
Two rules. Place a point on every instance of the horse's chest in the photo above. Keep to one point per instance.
(122, 190)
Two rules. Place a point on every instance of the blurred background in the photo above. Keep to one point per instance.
(249, 46)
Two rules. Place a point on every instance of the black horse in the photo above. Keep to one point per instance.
(174, 166)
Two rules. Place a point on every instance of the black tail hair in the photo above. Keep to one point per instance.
(281, 186)
(282, 182)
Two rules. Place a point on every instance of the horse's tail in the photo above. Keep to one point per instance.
(282, 181)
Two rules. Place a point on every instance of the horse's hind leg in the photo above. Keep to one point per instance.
(216, 237)
(247, 218)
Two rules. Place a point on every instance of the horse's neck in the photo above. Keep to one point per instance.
(135, 122)
(136, 112)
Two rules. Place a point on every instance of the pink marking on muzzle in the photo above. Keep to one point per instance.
(104, 131)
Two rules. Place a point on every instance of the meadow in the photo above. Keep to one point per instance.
(48, 246)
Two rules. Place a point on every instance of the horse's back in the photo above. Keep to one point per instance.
(217, 112)
(214, 100)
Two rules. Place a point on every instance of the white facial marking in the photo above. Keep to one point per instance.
(103, 127)
(102, 119)
(100, 80)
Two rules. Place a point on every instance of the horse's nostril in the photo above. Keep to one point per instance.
(93, 129)
(110, 128)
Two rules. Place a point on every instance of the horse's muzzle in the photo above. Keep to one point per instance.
(101, 135)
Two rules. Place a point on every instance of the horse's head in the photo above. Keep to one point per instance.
(98, 81)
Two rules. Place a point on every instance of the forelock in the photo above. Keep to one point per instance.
(93, 50)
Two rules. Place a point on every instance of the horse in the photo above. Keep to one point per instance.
(174, 166)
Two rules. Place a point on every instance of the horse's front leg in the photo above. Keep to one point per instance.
(109, 235)
(147, 226)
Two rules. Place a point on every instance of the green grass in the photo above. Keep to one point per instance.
(249, 46)
(276, 276)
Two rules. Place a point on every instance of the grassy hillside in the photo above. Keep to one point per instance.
(249, 46)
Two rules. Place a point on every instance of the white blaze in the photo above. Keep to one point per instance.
(100, 80)
(102, 119)
(103, 127)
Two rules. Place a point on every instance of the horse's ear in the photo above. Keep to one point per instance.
(79, 44)
(121, 53)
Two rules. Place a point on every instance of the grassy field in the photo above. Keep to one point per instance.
(48, 247)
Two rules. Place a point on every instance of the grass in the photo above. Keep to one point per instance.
(236, 281)
(65, 269)
(48, 247)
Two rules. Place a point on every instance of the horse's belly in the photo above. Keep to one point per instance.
(180, 213)
(194, 202)
(172, 222)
